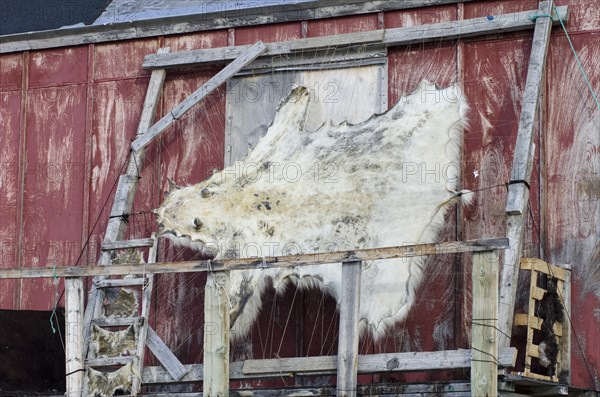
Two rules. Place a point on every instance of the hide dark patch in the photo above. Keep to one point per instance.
(397, 114)
(551, 310)
(120, 302)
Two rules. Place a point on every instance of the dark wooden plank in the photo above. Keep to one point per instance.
(407, 251)
(221, 19)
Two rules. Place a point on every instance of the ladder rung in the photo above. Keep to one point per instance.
(125, 244)
(108, 361)
(122, 282)
(117, 322)
(524, 320)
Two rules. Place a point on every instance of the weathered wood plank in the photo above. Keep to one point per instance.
(544, 267)
(484, 367)
(74, 335)
(117, 321)
(145, 313)
(523, 158)
(216, 335)
(523, 319)
(327, 365)
(127, 244)
(467, 28)
(347, 358)
(161, 351)
(406, 251)
(373, 363)
(212, 84)
(219, 19)
(388, 37)
(340, 40)
(108, 361)
(126, 282)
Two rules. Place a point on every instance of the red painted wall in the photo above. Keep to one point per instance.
(67, 117)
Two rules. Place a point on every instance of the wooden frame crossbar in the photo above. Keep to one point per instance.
(405, 251)
(484, 357)
(384, 37)
(217, 367)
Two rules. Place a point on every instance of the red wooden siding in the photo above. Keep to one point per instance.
(572, 196)
(11, 68)
(268, 33)
(68, 115)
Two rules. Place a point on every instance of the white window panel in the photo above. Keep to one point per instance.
(346, 94)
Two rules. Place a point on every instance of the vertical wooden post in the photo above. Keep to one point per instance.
(522, 165)
(484, 365)
(347, 361)
(216, 335)
(74, 335)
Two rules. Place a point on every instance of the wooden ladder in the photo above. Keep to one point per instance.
(122, 205)
(136, 321)
(94, 318)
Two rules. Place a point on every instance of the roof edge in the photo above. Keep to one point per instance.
(204, 22)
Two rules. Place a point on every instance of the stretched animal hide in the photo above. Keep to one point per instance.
(123, 302)
(387, 181)
(105, 343)
(120, 302)
(551, 310)
(106, 384)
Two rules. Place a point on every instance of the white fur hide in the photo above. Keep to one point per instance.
(387, 181)
(105, 384)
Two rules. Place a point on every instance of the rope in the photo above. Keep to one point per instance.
(474, 322)
(85, 245)
(55, 281)
(581, 69)
(57, 299)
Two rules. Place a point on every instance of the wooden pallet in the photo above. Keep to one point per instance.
(534, 323)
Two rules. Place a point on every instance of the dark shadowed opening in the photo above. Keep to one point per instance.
(18, 16)
(32, 359)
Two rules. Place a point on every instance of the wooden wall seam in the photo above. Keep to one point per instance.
(22, 158)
